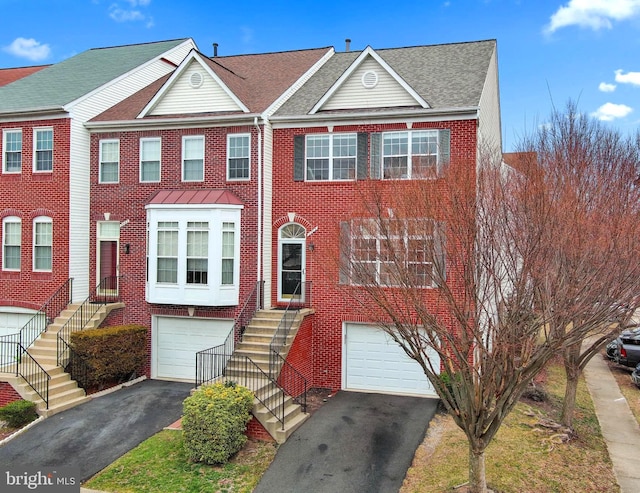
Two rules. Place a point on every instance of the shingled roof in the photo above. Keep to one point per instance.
(65, 82)
(445, 76)
(9, 75)
(257, 80)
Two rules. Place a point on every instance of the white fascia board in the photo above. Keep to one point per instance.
(299, 83)
(193, 206)
(44, 113)
(192, 56)
(171, 123)
(392, 116)
(368, 51)
(71, 104)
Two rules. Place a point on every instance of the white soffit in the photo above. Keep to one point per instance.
(368, 52)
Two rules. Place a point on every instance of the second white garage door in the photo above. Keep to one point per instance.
(176, 340)
(373, 362)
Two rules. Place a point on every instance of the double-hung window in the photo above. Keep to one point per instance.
(167, 266)
(331, 157)
(43, 149)
(395, 252)
(109, 161)
(410, 154)
(42, 243)
(150, 160)
(193, 158)
(11, 243)
(238, 149)
(228, 253)
(12, 151)
(197, 252)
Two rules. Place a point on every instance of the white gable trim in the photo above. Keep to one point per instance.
(368, 51)
(193, 56)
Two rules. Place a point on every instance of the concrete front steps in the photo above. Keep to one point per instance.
(255, 345)
(64, 392)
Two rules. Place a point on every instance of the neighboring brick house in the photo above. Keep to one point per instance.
(374, 117)
(44, 175)
(9, 75)
(181, 197)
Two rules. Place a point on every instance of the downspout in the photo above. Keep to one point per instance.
(260, 206)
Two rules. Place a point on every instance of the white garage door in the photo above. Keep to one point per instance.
(176, 341)
(373, 362)
(12, 319)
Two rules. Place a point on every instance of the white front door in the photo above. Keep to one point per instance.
(292, 240)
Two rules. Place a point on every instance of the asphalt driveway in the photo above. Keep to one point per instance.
(355, 443)
(92, 435)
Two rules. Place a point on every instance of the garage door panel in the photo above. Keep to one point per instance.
(375, 362)
(177, 340)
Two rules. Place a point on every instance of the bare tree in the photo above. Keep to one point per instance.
(495, 270)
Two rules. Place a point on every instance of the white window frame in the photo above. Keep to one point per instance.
(37, 131)
(37, 245)
(194, 138)
(331, 155)
(5, 221)
(197, 240)
(103, 142)
(5, 134)
(228, 256)
(143, 141)
(232, 153)
(410, 154)
(173, 228)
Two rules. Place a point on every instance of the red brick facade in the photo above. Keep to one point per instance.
(28, 195)
(323, 205)
(8, 394)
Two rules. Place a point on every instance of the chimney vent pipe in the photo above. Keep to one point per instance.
(348, 44)
(215, 49)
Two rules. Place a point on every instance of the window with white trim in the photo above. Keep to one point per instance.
(109, 161)
(331, 157)
(238, 153)
(150, 151)
(42, 244)
(167, 252)
(193, 158)
(12, 151)
(410, 154)
(197, 252)
(11, 243)
(43, 149)
(394, 252)
(228, 253)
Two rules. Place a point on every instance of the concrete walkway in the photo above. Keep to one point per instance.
(619, 427)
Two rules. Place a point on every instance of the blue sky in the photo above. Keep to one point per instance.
(549, 51)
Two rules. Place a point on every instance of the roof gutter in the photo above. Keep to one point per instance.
(33, 112)
(174, 122)
(458, 113)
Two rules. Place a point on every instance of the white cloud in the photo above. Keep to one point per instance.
(594, 14)
(131, 14)
(610, 111)
(28, 48)
(605, 87)
(628, 78)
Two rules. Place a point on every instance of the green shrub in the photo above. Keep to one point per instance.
(214, 420)
(112, 354)
(18, 413)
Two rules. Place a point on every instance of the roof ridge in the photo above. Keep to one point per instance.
(138, 44)
(272, 52)
(434, 45)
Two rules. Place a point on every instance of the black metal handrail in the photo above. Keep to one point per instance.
(32, 372)
(292, 382)
(104, 293)
(50, 309)
(248, 374)
(210, 363)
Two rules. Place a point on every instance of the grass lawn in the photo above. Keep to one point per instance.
(523, 457)
(159, 465)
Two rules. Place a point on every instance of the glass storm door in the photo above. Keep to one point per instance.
(291, 253)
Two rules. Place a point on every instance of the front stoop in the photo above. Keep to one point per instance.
(255, 345)
(64, 392)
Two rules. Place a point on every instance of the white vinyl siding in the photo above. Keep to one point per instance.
(11, 243)
(42, 149)
(489, 135)
(182, 98)
(387, 92)
(150, 160)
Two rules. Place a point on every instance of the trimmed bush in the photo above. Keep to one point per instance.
(18, 413)
(214, 420)
(112, 354)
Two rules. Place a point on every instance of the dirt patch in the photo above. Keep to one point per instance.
(316, 397)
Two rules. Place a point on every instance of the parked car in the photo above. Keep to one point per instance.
(627, 352)
(612, 349)
(635, 375)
